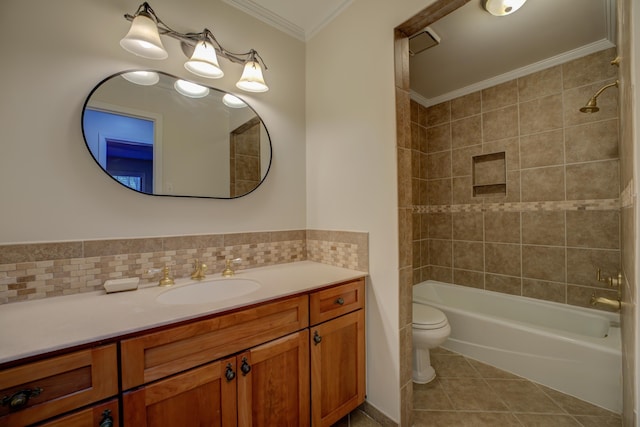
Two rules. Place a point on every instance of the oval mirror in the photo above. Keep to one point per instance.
(157, 134)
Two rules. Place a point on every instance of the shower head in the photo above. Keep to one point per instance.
(592, 105)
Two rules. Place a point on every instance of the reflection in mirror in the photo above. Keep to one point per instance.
(160, 135)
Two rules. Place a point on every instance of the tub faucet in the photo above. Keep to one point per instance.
(199, 270)
(615, 304)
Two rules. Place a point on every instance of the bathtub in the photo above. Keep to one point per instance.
(574, 350)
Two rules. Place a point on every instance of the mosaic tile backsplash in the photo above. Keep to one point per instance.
(34, 271)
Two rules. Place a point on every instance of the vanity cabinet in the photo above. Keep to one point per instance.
(295, 361)
(39, 391)
(247, 368)
(337, 352)
(265, 386)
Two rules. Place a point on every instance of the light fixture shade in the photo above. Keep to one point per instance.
(204, 61)
(190, 89)
(503, 7)
(232, 101)
(143, 78)
(251, 79)
(143, 38)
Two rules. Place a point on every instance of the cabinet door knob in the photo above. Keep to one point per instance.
(245, 367)
(21, 398)
(107, 419)
(229, 374)
(317, 338)
(340, 301)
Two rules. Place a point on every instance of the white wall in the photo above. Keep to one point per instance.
(54, 52)
(351, 163)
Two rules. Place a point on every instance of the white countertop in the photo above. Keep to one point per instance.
(41, 326)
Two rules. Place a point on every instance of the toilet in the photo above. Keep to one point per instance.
(430, 329)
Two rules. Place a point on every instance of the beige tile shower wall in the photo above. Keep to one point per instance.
(33, 271)
(559, 219)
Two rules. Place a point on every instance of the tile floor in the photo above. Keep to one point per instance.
(469, 393)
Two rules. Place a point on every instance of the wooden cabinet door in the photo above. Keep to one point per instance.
(273, 383)
(202, 396)
(337, 368)
(102, 415)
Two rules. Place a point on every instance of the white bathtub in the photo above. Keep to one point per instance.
(574, 350)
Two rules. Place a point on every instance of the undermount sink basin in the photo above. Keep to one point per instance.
(208, 291)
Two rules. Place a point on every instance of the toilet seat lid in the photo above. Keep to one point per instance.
(427, 317)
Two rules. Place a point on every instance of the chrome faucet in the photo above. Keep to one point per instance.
(199, 270)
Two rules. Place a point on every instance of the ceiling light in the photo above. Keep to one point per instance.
(503, 7)
(232, 101)
(190, 89)
(143, 39)
(144, 78)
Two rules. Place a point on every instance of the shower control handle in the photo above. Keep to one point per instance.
(612, 282)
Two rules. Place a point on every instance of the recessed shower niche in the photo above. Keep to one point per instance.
(489, 175)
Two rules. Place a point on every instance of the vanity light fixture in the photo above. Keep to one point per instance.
(502, 7)
(143, 39)
(190, 89)
(232, 101)
(143, 78)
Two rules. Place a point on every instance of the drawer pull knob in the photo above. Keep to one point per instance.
(317, 339)
(107, 419)
(245, 368)
(340, 301)
(229, 374)
(21, 398)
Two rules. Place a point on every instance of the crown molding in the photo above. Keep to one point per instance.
(312, 32)
(268, 17)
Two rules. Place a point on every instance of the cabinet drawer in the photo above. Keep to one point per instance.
(159, 354)
(58, 385)
(336, 301)
(98, 416)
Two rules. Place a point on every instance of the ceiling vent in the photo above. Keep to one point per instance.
(422, 41)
